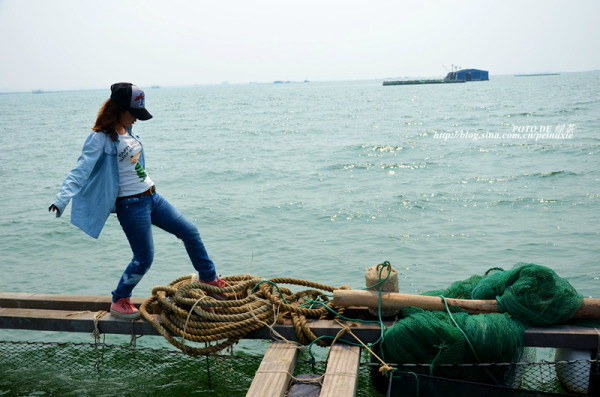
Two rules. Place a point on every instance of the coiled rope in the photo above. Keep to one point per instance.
(188, 311)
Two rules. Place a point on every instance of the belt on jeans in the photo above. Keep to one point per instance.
(148, 192)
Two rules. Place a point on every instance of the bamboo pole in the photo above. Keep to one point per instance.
(589, 309)
(390, 300)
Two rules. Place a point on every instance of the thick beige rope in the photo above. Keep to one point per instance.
(188, 312)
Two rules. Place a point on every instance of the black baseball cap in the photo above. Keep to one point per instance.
(130, 97)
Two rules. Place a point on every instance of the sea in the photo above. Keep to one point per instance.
(320, 181)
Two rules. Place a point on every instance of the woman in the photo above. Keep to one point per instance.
(110, 177)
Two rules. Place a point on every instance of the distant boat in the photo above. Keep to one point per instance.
(468, 75)
(458, 76)
(289, 82)
(411, 82)
(37, 92)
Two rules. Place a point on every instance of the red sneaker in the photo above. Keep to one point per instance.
(218, 282)
(123, 308)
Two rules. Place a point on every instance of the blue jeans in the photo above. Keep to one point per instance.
(137, 215)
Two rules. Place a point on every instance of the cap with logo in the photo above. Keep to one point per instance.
(130, 97)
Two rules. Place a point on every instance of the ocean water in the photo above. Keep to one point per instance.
(322, 180)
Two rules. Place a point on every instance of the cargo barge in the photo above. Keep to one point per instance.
(458, 76)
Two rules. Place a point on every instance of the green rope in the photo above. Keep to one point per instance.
(385, 264)
(356, 320)
(273, 284)
(467, 339)
(381, 325)
(499, 269)
(379, 321)
(416, 383)
(309, 303)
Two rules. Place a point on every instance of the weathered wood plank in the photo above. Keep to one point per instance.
(70, 321)
(59, 302)
(275, 371)
(341, 375)
(83, 321)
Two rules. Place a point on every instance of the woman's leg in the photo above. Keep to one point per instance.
(134, 216)
(168, 218)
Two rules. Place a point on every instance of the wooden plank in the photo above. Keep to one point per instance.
(95, 303)
(82, 321)
(275, 371)
(70, 321)
(59, 302)
(341, 375)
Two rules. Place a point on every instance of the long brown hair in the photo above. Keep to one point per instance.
(108, 118)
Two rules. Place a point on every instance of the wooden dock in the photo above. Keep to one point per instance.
(76, 313)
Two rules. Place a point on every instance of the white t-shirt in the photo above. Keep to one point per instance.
(132, 177)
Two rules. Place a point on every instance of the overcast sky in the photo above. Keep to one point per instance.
(91, 44)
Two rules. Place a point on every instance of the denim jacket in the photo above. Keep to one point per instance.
(93, 184)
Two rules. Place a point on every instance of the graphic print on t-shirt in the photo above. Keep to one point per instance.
(131, 148)
(140, 171)
(133, 179)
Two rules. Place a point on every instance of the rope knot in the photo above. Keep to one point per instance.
(385, 369)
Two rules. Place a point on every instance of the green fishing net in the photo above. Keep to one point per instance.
(439, 338)
(527, 295)
(532, 294)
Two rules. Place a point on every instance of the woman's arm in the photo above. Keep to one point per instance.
(93, 149)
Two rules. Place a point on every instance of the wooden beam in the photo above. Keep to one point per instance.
(341, 375)
(394, 300)
(565, 336)
(59, 302)
(70, 321)
(83, 321)
(368, 333)
(42, 312)
(275, 371)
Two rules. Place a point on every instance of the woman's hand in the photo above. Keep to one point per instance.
(53, 208)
